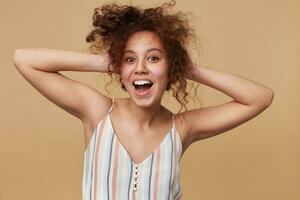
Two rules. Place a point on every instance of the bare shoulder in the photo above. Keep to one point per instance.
(182, 129)
(100, 106)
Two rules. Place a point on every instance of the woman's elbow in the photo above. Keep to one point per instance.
(19, 57)
(268, 98)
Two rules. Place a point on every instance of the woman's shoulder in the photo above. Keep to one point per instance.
(182, 130)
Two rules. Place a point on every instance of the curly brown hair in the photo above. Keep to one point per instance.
(114, 24)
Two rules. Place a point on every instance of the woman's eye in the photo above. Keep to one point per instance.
(129, 59)
(154, 57)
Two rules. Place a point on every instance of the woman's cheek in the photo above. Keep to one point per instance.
(159, 73)
(125, 73)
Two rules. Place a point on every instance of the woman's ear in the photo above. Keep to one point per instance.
(122, 84)
(123, 87)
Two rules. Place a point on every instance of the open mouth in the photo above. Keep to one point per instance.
(143, 88)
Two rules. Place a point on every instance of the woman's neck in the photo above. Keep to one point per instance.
(144, 117)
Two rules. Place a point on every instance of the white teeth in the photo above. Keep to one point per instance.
(142, 82)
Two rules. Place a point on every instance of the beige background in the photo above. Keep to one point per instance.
(41, 145)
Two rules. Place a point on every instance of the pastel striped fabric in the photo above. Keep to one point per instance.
(108, 171)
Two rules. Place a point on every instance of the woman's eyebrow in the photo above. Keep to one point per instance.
(148, 50)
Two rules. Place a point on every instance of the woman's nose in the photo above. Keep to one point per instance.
(141, 67)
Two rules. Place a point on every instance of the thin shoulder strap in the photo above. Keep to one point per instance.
(173, 119)
(112, 105)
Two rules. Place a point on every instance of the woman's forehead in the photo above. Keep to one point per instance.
(143, 41)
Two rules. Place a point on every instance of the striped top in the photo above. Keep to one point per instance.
(109, 173)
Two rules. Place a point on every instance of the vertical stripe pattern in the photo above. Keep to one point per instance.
(109, 171)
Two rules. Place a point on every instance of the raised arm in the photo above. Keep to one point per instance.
(40, 67)
(249, 99)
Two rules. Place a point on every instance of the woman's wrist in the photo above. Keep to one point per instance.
(100, 62)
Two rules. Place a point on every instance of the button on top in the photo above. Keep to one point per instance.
(135, 188)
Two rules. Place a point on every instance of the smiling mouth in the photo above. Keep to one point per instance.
(142, 89)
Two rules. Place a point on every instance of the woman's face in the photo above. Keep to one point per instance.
(144, 59)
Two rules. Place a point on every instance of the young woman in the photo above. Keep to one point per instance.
(133, 145)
